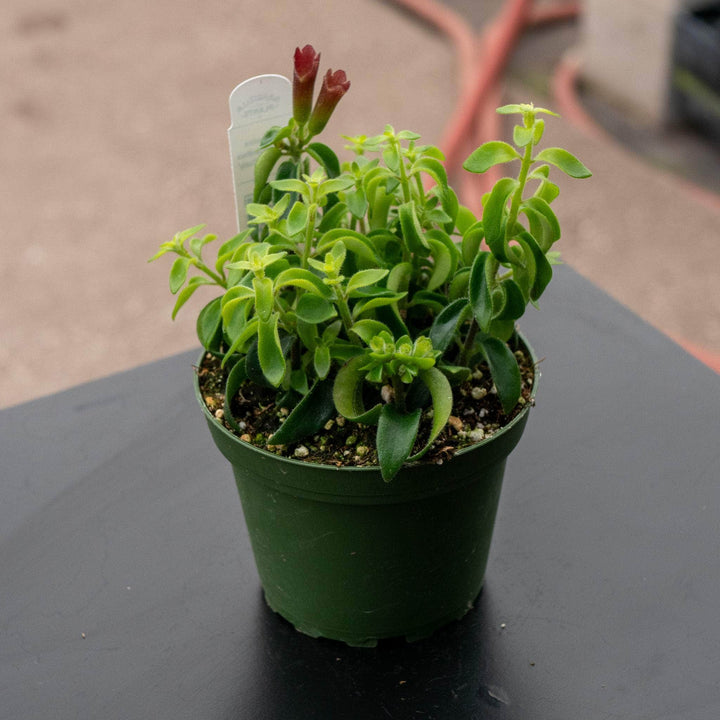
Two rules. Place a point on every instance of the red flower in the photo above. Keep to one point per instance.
(306, 67)
(334, 86)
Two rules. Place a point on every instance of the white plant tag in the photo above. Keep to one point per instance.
(255, 105)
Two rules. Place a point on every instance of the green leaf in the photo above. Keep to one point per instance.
(479, 291)
(542, 273)
(249, 331)
(411, 229)
(299, 277)
(504, 370)
(490, 154)
(442, 404)
(459, 284)
(563, 160)
(235, 379)
(494, 217)
(321, 361)
(400, 276)
(336, 185)
(264, 297)
(364, 278)
(209, 323)
(443, 264)
(511, 109)
(472, 237)
(332, 217)
(432, 167)
(308, 416)
(263, 167)
(386, 299)
(314, 310)
(299, 381)
(357, 203)
(178, 273)
(187, 292)
(396, 435)
(445, 324)
(541, 207)
(272, 360)
(368, 329)
(290, 185)
(297, 219)
(522, 135)
(355, 242)
(326, 157)
(348, 391)
(513, 305)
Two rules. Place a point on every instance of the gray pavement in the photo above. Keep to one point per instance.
(114, 119)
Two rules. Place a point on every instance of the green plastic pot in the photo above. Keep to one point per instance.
(342, 554)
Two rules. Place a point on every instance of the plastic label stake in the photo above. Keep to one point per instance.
(255, 105)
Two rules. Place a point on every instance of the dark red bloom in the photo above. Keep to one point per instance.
(306, 67)
(334, 86)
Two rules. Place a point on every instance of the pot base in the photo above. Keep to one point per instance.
(363, 641)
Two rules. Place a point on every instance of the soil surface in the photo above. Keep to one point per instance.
(477, 414)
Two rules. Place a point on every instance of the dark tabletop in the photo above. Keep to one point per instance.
(128, 590)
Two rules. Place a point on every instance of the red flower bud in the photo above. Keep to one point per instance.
(306, 67)
(334, 86)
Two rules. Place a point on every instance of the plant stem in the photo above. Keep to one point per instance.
(404, 183)
(346, 317)
(517, 195)
(469, 342)
(309, 233)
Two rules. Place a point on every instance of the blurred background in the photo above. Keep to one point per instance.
(113, 121)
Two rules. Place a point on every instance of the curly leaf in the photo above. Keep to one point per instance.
(347, 392)
(209, 324)
(396, 435)
(479, 291)
(298, 277)
(326, 157)
(442, 403)
(443, 264)
(272, 360)
(504, 370)
(433, 168)
(412, 230)
(308, 416)
(494, 217)
(235, 379)
(263, 167)
(445, 324)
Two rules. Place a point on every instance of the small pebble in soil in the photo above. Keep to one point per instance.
(477, 434)
(478, 393)
(301, 451)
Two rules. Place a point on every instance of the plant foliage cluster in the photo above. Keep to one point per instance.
(365, 288)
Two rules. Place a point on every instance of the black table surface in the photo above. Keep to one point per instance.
(128, 589)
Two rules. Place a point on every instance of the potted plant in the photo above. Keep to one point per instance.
(361, 368)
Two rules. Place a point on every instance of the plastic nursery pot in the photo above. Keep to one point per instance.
(344, 555)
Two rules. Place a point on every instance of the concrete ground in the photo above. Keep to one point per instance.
(114, 119)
